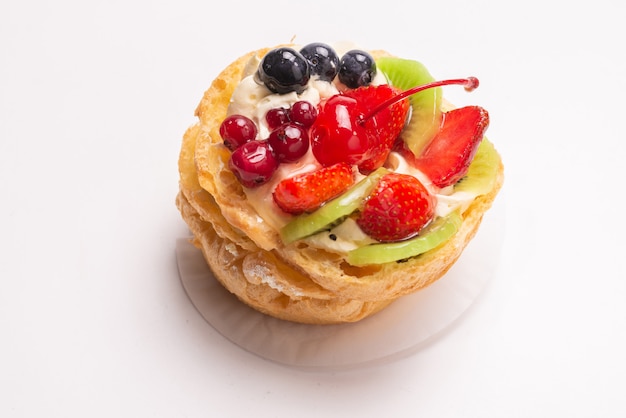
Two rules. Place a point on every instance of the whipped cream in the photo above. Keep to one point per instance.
(254, 100)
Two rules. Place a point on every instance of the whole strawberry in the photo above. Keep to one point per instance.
(398, 208)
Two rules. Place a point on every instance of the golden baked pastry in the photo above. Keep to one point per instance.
(297, 281)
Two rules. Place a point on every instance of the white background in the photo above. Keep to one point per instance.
(94, 99)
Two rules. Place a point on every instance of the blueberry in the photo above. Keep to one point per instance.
(357, 68)
(322, 59)
(284, 70)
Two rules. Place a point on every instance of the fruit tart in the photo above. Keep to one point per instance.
(323, 182)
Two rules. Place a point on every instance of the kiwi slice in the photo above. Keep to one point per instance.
(344, 205)
(436, 233)
(481, 174)
(426, 112)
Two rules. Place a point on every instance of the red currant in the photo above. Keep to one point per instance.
(276, 117)
(253, 163)
(289, 141)
(236, 130)
(304, 113)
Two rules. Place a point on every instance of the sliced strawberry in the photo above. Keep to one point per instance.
(307, 192)
(446, 159)
(398, 208)
(384, 126)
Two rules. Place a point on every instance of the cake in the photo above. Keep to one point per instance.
(322, 183)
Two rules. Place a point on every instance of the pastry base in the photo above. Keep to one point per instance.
(398, 331)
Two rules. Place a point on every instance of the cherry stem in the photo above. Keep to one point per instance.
(469, 83)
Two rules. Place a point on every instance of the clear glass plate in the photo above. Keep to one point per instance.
(396, 332)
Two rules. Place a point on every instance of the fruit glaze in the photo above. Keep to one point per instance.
(356, 155)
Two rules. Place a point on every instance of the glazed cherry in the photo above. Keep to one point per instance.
(236, 130)
(357, 68)
(337, 135)
(289, 142)
(304, 113)
(347, 131)
(253, 163)
(276, 117)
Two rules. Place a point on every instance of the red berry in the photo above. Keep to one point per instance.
(398, 208)
(236, 130)
(447, 157)
(307, 192)
(385, 125)
(276, 117)
(289, 141)
(336, 135)
(304, 113)
(342, 133)
(253, 163)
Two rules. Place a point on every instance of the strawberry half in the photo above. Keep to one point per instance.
(308, 191)
(447, 157)
(398, 208)
(384, 126)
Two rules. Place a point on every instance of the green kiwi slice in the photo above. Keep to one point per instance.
(436, 233)
(481, 175)
(426, 112)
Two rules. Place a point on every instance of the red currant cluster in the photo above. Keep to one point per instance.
(253, 160)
